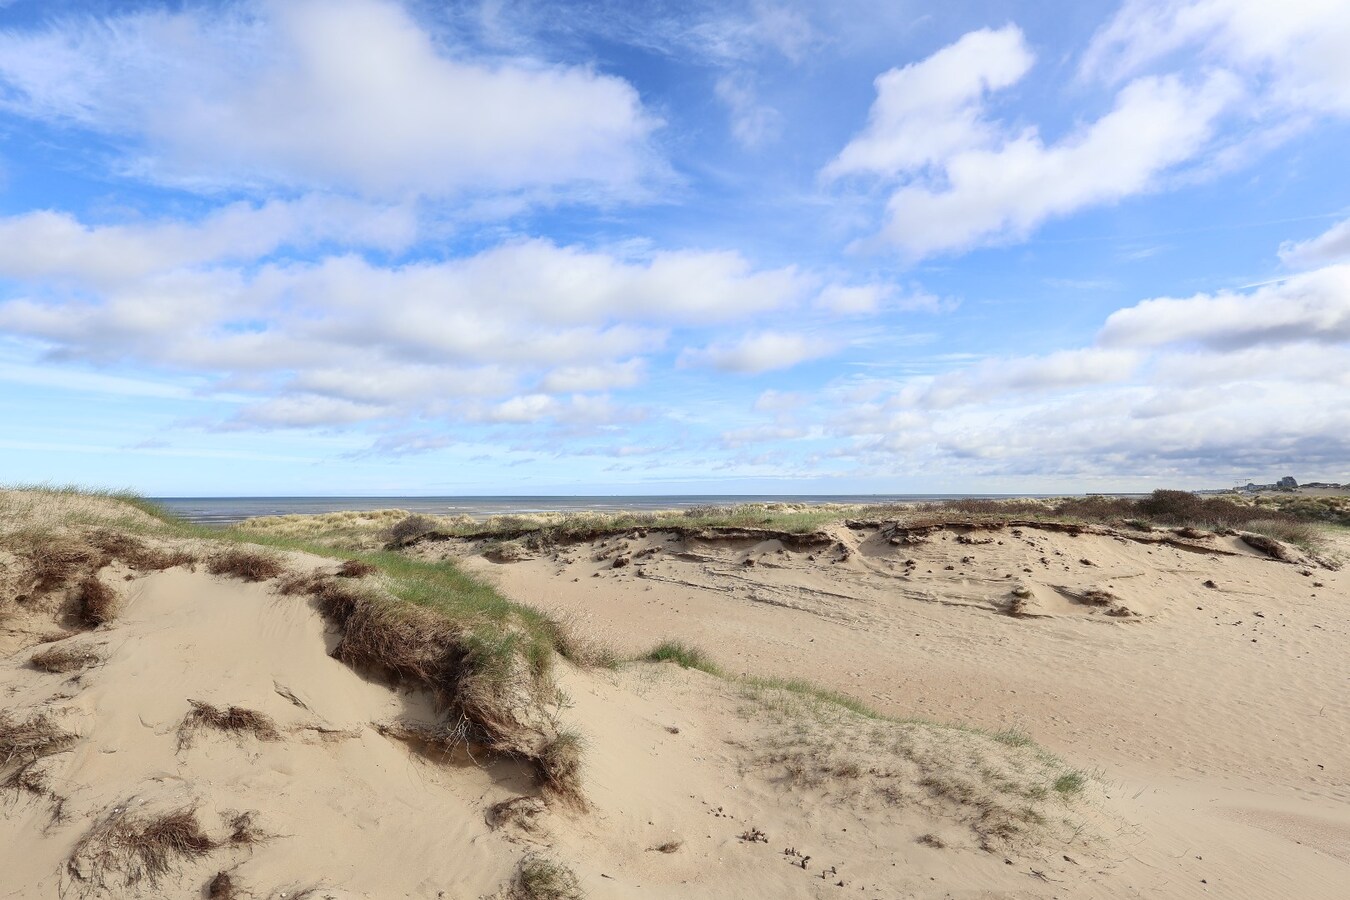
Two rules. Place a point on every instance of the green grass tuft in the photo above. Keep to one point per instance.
(683, 654)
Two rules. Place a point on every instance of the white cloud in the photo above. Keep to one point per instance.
(926, 111)
(1313, 306)
(343, 340)
(1005, 192)
(568, 379)
(1062, 370)
(46, 243)
(1203, 391)
(354, 95)
(960, 179)
(753, 123)
(757, 353)
(1297, 46)
(868, 299)
(1332, 245)
(854, 300)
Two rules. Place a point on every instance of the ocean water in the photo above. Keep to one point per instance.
(228, 510)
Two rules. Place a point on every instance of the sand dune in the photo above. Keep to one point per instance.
(203, 740)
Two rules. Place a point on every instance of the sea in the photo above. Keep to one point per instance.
(222, 511)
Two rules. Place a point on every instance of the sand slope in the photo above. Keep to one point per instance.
(1217, 714)
(753, 792)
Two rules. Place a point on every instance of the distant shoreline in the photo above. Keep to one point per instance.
(223, 511)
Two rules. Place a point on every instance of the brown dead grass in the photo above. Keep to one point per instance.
(25, 740)
(221, 887)
(540, 878)
(65, 658)
(355, 568)
(137, 554)
(559, 767)
(56, 560)
(234, 719)
(133, 847)
(487, 687)
(248, 565)
(95, 603)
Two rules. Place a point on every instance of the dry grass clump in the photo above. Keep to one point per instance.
(136, 553)
(24, 741)
(137, 846)
(95, 603)
(233, 719)
(54, 560)
(64, 658)
(540, 878)
(355, 568)
(484, 665)
(248, 565)
(221, 887)
(559, 767)
(523, 813)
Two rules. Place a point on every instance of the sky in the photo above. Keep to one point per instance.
(300, 247)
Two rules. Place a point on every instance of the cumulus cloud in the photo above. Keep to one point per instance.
(351, 95)
(1062, 370)
(1332, 245)
(1203, 389)
(961, 179)
(51, 244)
(1005, 192)
(757, 353)
(926, 111)
(1297, 47)
(1313, 306)
(520, 332)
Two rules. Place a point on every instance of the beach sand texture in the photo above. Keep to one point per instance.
(1194, 734)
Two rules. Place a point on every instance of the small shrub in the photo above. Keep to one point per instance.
(540, 878)
(410, 529)
(248, 565)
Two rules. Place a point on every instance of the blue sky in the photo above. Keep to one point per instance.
(380, 247)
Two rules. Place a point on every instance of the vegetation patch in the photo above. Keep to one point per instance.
(233, 719)
(95, 603)
(127, 848)
(540, 878)
(684, 655)
(559, 766)
(27, 740)
(248, 565)
(356, 568)
(65, 658)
